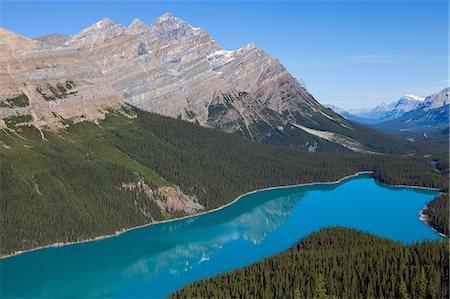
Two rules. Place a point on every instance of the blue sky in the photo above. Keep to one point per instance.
(349, 53)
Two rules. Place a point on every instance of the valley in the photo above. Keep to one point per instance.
(148, 161)
(411, 118)
(79, 171)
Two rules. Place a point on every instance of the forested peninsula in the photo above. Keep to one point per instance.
(337, 263)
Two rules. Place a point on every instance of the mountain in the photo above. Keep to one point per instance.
(411, 117)
(78, 160)
(52, 40)
(170, 68)
(338, 110)
(382, 112)
(50, 84)
(437, 100)
(427, 121)
(351, 115)
(402, 106)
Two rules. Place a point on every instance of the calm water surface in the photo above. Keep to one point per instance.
(156, 260)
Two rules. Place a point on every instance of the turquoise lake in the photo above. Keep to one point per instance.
(156, 260)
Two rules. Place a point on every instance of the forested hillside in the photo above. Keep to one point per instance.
(337, 263)
(94, 179)
(437, 214)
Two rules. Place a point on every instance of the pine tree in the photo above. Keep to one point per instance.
(320, 290)
(422, 284)
(404, 290)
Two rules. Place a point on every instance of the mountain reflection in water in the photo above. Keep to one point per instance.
(253, 226)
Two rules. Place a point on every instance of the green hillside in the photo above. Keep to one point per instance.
(337, 263)
(437, 213)
(72, 184)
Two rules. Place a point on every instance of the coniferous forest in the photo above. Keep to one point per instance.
(437, 214)
(337, 263)
(224, 149)
(66, 185)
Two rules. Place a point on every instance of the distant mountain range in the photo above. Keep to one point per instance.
(382, 112)
(353, 115)
(410, 117)
(171, 68)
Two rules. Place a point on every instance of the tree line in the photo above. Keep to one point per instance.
(437, 213)
(68, 188)
(337, 263)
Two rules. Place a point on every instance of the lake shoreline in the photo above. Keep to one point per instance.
(424, 218)
(119, 232)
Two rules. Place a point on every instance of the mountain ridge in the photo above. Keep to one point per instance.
(429, 121)
(171, 68)
(383, 111)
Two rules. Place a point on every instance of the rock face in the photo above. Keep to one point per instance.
(52, 40)
(167, 67)
(437, 100)
(50, 84)
(171, 68)
(170, 199)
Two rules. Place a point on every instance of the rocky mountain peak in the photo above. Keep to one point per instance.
(97, 33)
(171, 28)
(167, 67)
(250, 46)
(137, 26)
(100, 25)
(168, 17)
(249, 49)
(407, 102)
(137, 23)
(411, 97)
(437, 100)
(169, 21)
